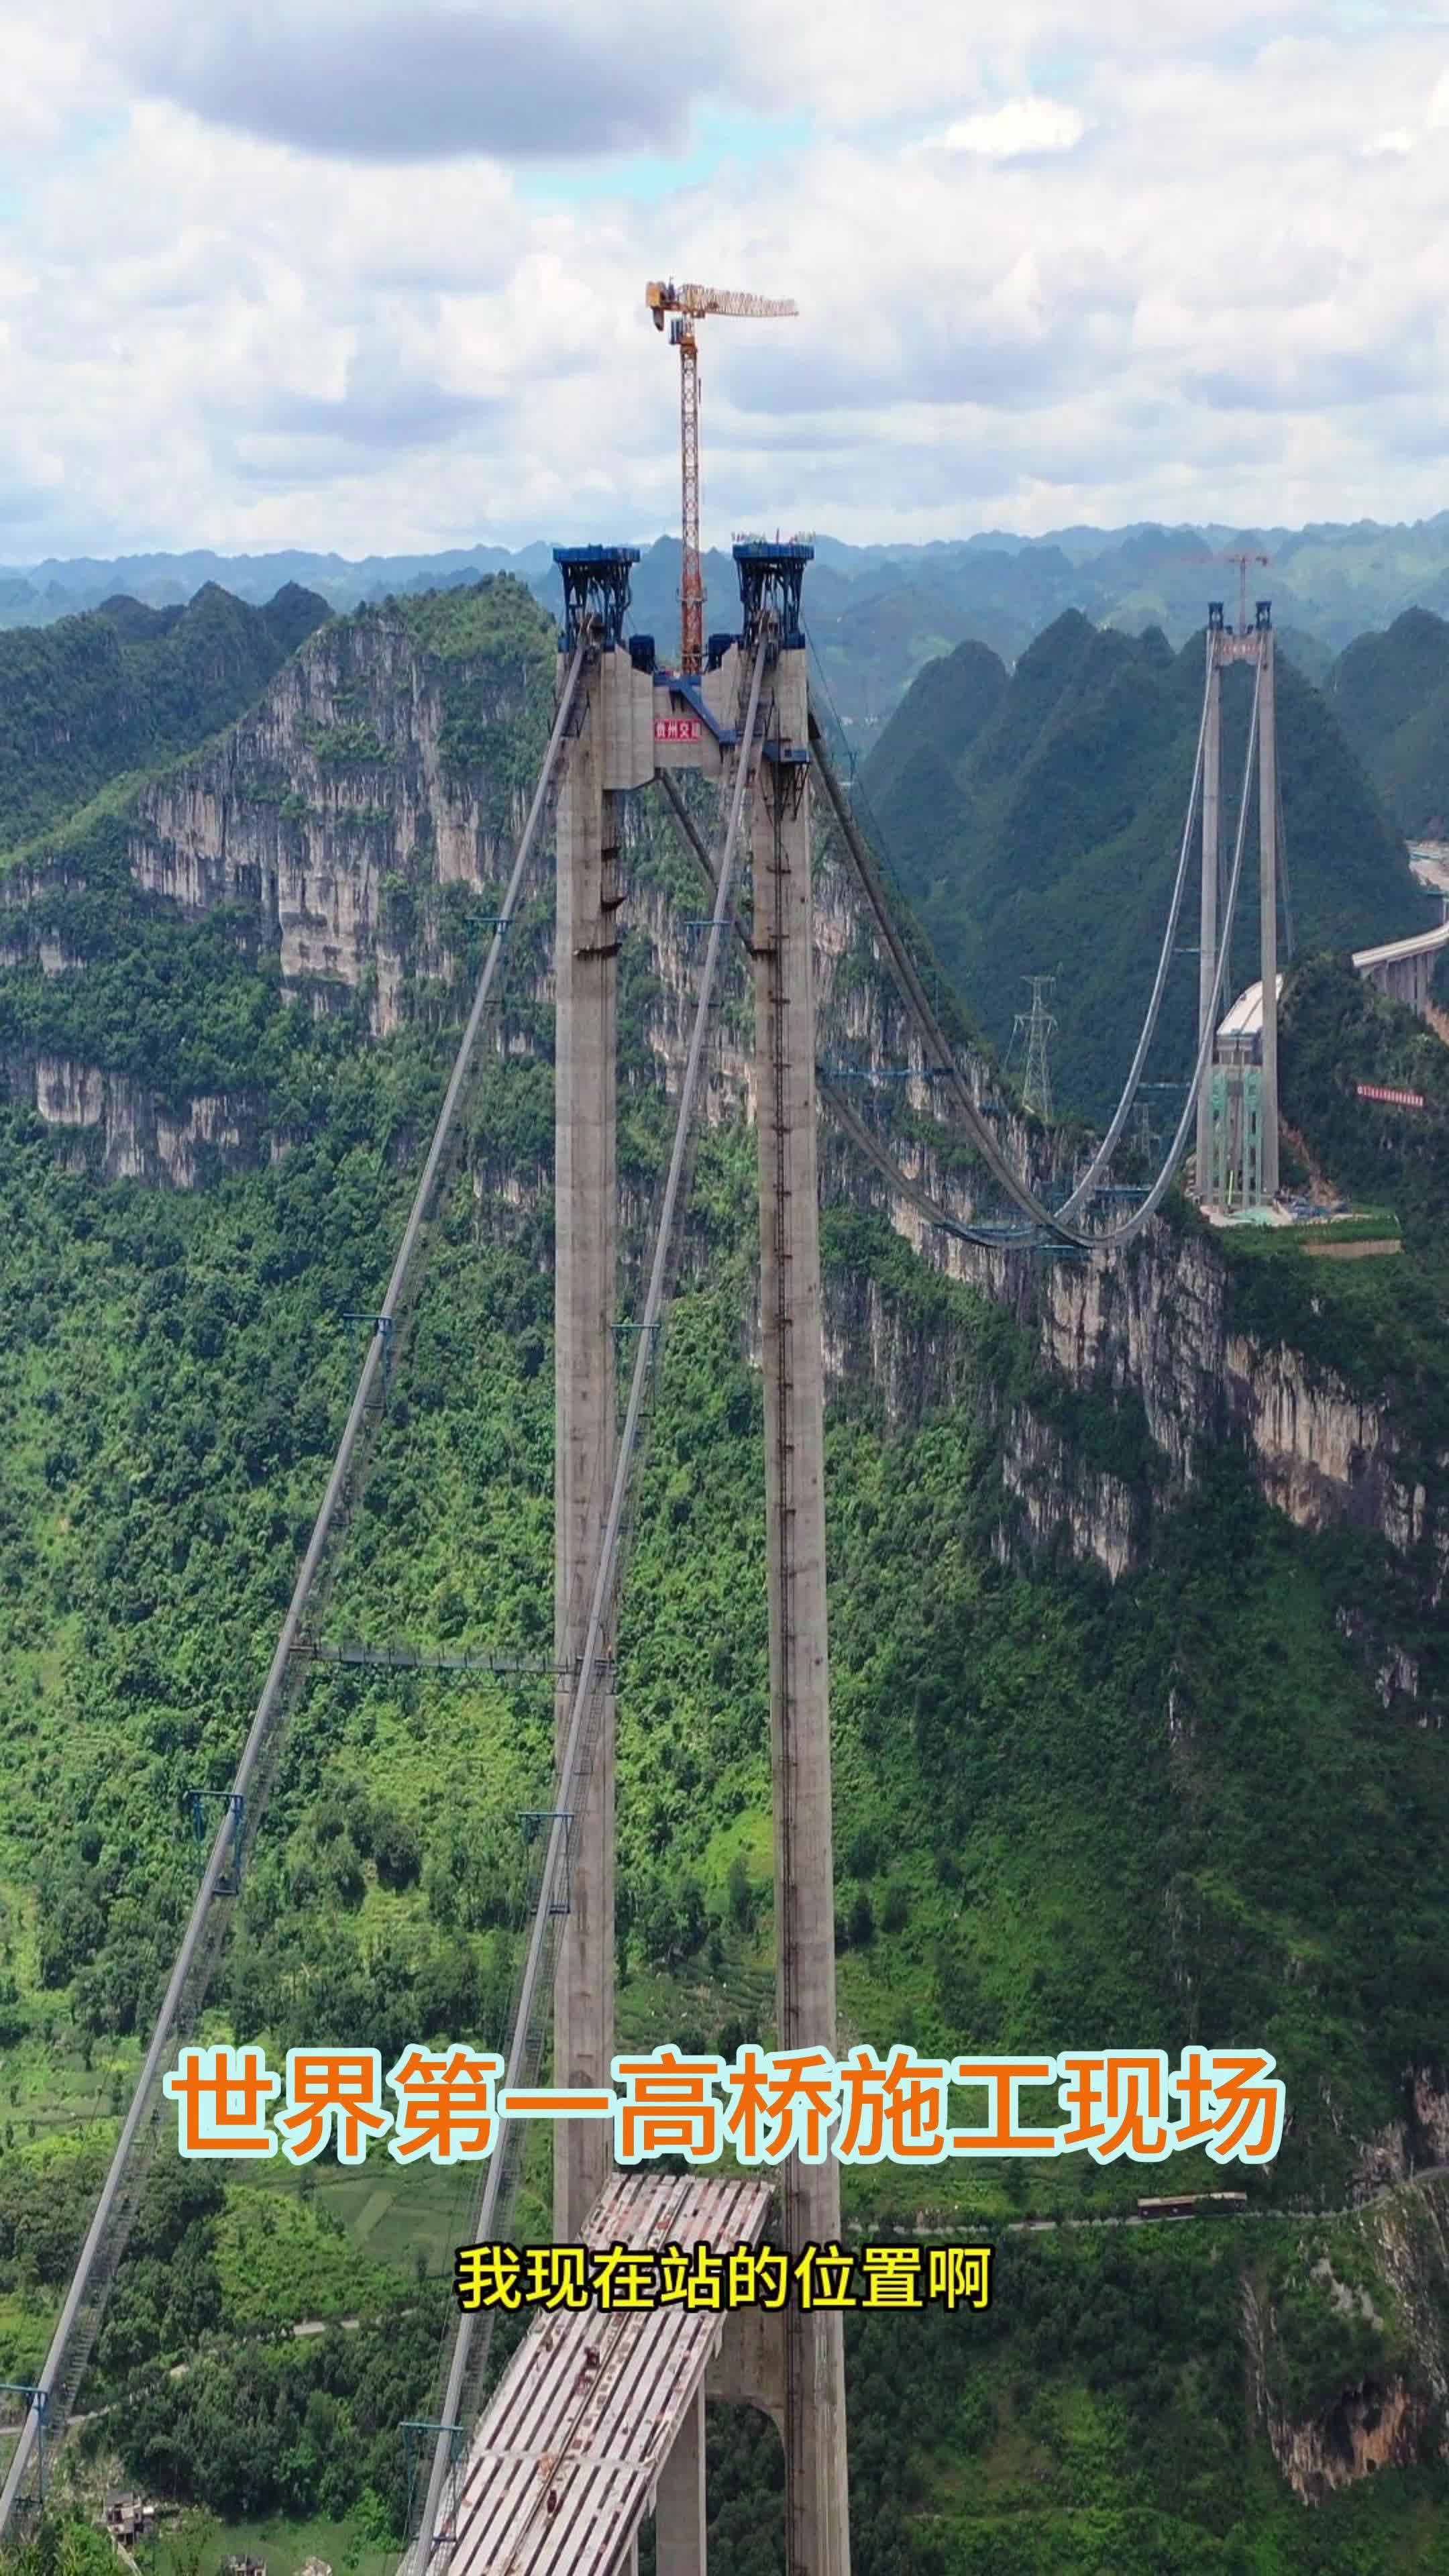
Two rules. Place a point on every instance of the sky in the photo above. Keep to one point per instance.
(367, 275)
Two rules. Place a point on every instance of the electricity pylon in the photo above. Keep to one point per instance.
(1036, 1027)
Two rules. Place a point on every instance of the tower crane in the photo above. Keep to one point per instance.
(1242, 561)
(685, 306)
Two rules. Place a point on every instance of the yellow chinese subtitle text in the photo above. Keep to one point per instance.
(621, 2277)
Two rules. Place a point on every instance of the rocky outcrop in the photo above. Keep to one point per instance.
(1431, 2114)
(1150, 1326)
(1378, 2424)
(124, 1131)
(1381, 2162)
(1095, 1515)
(1394, 2409)
(331, 822)
(1153, 1322)
(45, 949)
(332, 814)
(1411, 2145)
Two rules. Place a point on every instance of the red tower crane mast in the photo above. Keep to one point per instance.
(687, 305)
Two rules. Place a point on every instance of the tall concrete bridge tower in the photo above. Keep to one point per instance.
(586, 976)
(1237, 1109)
(792, 1341)
(633, 721)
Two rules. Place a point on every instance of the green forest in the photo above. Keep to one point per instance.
(93, 701)
(1390, 694)
(1068, 1812)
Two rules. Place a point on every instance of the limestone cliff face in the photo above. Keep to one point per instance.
(1151, 1325)
(1154, 1322)
(912, 1369)
(331, 820)
(135, 1138)
(1148, 1326)
(22, 945)
(1093, 1514)
(1396, 2411)
(862, 1023)
(319, 807)
(332, 817)
(1417, 2142)
(1376, 2424)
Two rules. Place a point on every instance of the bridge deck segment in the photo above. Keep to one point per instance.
(564, 2464)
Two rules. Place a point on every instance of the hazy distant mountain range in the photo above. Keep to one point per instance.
(878, 613)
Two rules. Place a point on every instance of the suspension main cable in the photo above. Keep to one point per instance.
(830, 1095)
(695, 838)
(937, 1045)
(587, 1688)
(273, 1690)
(1283, 879)
(1103, 1154)
(1158, 1191)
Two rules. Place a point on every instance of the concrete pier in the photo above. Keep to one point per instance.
(818, 2534)
(679, 2520)
(586, 1197)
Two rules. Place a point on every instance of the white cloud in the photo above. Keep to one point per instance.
(1224, 306)
(1021, 126)
(377, 80)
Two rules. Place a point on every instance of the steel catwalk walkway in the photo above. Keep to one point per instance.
(564, 2465)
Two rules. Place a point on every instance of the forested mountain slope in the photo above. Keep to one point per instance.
(1042, 837)
(115, 691)
(1390, 694)
(1069, 1811)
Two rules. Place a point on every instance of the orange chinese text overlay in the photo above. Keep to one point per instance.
(446, 2105)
